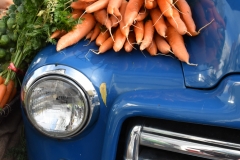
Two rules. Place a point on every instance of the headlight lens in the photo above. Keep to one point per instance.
(56, 106)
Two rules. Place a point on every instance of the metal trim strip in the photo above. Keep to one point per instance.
(180, 143)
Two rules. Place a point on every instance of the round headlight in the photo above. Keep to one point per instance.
(59, 101)
(56, 106)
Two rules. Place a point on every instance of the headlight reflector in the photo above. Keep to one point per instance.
(57, 106)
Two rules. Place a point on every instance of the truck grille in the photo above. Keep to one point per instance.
(156, 142)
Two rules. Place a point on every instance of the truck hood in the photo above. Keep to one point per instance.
(216, 50)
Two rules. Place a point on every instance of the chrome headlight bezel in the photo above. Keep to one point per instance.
(69, 75)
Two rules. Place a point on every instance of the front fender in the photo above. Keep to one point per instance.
(210, 107)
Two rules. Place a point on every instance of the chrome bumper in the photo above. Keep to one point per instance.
(180, 143)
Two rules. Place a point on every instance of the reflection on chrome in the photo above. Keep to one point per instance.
(133, 143)
(181, 143)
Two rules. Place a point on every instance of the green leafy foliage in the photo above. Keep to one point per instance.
(30, 23)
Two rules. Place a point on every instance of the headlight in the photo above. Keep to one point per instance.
(56, 102)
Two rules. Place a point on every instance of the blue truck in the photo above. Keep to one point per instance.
(77, 105)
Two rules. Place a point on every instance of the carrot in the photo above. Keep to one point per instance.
(186, 15)
(3, 89)
(76, 16)
(139, 31)
(124, 29)
(4, 4)
(107, 45)
(96, 32)
(89, 35)
(165, 7)
(80, 5)
(159, 23)
(77, 33)
(131, 12)
(152, 48)
(77, 11)
(102, 17)
(119, 40)
(176, 42)
(148, 35)
(150, 4)
(96, 6)
(102, 37)
(58, 34)
(87, 1)
(113, 7)
(128, 46)
(162, 44)
(9, 89)
(114, 21)
(143, 13)
(177, 22)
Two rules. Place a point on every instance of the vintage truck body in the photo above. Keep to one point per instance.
(134, 106)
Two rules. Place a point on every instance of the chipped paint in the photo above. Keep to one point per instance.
(103, 91)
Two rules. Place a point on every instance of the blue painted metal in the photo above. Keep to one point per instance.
(218, 107)
(122, 72)
(140, 85)
(216, 48)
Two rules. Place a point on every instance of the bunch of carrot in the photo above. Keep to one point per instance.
(154, 25)
(7, 91)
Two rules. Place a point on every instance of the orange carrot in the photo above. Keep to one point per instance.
(77, 33)
(148, 35)
(58, 34)
(102, 37)
(124, 29)
(165, 7)
(143, 13)
(77, 11)
(107, 45)
(176, 42)
(96, 6)
(162, 44)
(96, 32)
(152, 48)
(102, 17)
(177, 22)
(131, 12)
(139, 31)
(87, 1)
(88, 36)
(113, 7)
(119, 40)
(80, 5)
(128, 46)
(186, 15)
(150, 4)
(158, 21)
(114, 21)
(3, 89)
(9, 89)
